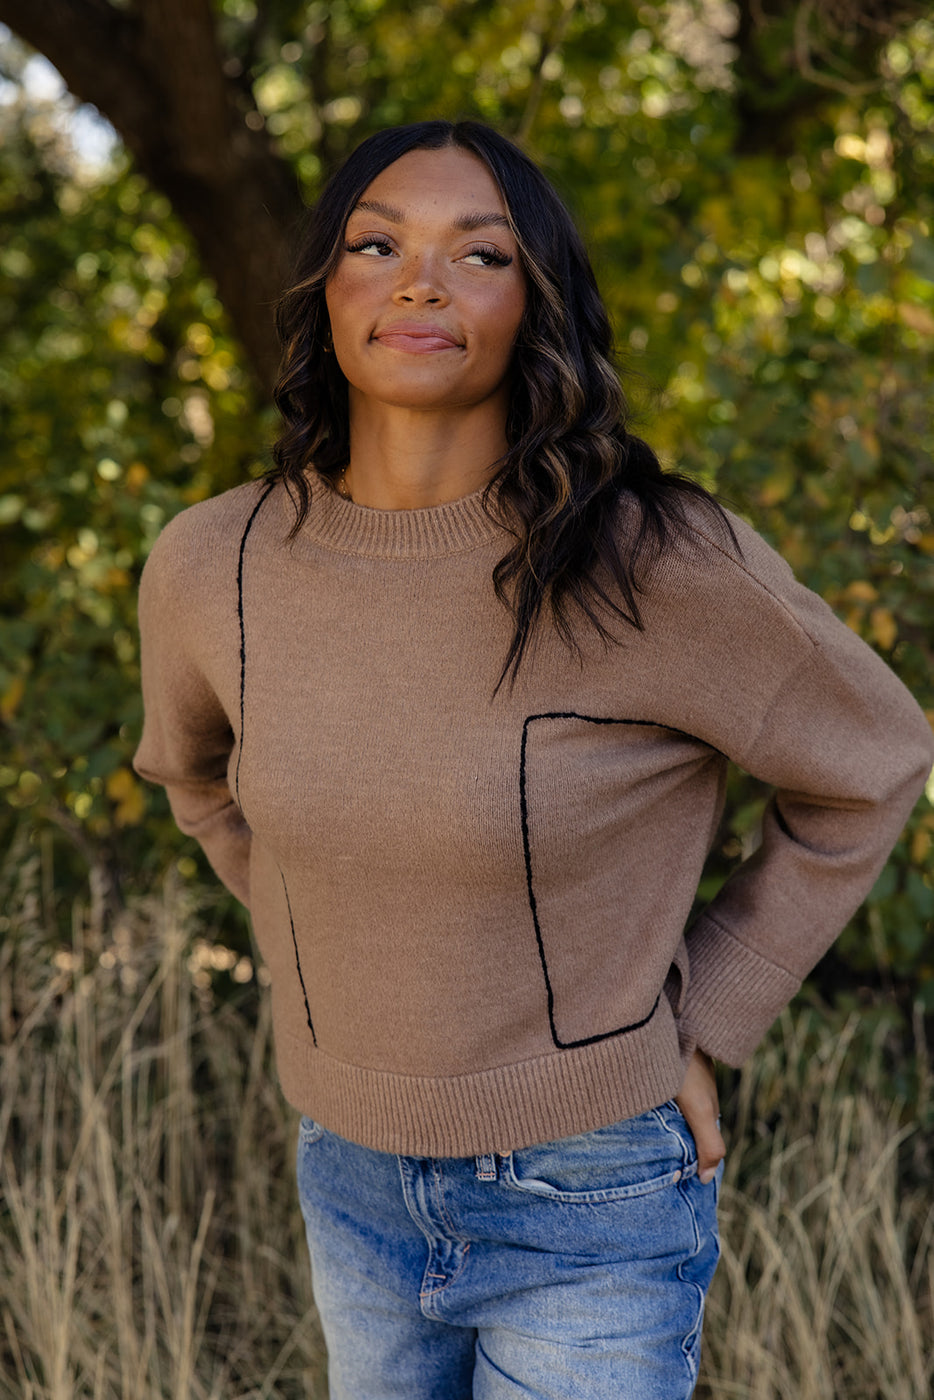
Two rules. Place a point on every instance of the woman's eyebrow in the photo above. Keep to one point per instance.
(466, 223)
(376, 206)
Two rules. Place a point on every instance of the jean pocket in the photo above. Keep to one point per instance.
(631, 1158)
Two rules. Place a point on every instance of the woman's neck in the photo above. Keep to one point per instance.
(406, 459)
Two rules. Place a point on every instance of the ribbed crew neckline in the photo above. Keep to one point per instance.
(431, 532)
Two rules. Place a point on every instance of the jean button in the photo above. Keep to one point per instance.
(676, 1177)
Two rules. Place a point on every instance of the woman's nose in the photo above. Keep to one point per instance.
(421, 282)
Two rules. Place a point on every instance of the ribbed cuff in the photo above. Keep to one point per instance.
(734, 995)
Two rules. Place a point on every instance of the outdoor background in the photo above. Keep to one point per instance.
(756, 182)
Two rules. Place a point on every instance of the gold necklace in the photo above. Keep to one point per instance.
(343, 490)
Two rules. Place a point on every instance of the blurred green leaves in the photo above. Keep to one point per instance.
(767, 252)
(122, 398)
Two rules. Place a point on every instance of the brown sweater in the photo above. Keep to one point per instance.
(472, 906)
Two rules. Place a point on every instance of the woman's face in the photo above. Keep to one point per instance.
(428, 293)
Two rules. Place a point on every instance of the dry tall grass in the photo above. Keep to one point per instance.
(151, 1247)
(825, 1290)
(150, 1244)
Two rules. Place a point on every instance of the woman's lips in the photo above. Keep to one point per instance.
(417, 338)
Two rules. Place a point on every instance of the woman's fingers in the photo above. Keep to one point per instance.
(699, 1103)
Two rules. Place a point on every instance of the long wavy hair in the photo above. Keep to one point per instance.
(571, 464)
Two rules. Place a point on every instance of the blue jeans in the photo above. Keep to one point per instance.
(573, 1270)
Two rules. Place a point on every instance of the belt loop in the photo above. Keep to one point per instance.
(485, 1167)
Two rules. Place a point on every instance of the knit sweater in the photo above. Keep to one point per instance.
(472, 901)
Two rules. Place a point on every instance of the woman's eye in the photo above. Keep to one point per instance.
(488, 257)
(372, 247)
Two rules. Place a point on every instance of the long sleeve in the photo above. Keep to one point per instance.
(188, 736)
(522, 860)
(847, 751)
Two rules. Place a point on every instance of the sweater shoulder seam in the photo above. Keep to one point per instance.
(760, 584)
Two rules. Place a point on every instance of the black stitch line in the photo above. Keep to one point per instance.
(604, 719)
(288, 902)
(246, 530)
(524, 815)
(298, 965)
(527, 850)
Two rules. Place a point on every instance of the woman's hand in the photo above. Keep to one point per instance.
(700, 1105)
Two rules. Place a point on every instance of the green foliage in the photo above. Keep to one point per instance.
(123, 400)
(774, 298)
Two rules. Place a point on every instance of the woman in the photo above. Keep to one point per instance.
(448, 701)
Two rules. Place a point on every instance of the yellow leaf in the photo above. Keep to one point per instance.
(199, 490)
(917, 318)
(136, 477)
(118, 784)
(861, 591)
(777, 488)
(9, 700)
(870, 441)
(126, 793)
(920, 845)
(883, 628)
(113, 579)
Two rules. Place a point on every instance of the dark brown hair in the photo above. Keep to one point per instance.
(571, 465)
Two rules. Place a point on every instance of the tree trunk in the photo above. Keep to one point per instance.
(796, 57)
(155, 71)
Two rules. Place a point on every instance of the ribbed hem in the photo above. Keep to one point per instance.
(433, 532)
(734, 995)
(494, 1110)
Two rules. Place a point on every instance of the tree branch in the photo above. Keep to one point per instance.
(156, 72)
(550, 45)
